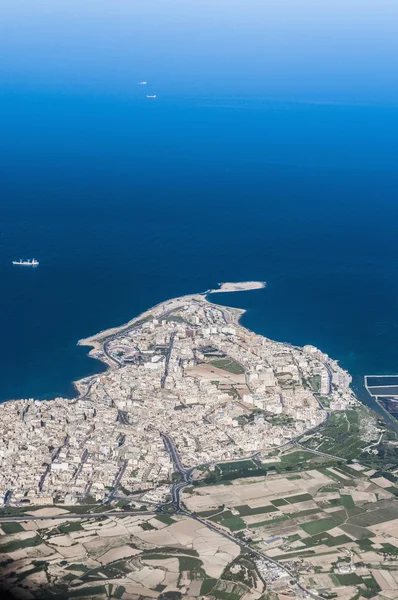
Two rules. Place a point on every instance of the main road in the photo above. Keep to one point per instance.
(176, 502)
(67, 516)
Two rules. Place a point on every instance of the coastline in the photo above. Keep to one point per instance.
(96, 341)
(142, 353)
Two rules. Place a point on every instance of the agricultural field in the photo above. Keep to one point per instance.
(357, 433)
(99, 558)
(328, 521)
(336, 526)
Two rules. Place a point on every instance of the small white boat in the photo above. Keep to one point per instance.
(151, 96)
(142, 83)
(26, 263)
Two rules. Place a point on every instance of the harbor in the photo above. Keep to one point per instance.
(384, 390)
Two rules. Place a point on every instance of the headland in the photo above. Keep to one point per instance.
(186, 368)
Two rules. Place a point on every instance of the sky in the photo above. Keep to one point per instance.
(310, 49)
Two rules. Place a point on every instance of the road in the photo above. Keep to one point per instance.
(168, 356)
(330, 375)
(176, 489)
(124, 513)
(117, 482)
(176, 502)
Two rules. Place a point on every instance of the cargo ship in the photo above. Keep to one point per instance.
(26, 263)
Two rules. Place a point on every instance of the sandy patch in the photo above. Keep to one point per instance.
(37, 579)
(336, 531)
(74, 552)
(33, 552)
(171, 564)
(117, 554)
(194, 588)
(371, 557)
(142, 574)
(30, 526)
(157, 524)
(337, 473)
(23, 535)
(390, 528)
(320, 560)
(325, 496)
(207, 371)
(140, 591)
(111, 529)
(49, 523)
(51, 511)
(258, 518)
(98, 546)
(61, 540)
(385, 527)
(382, 482)
(252, 595)
(385, 579)
(171, 580)
(297, 507)
(363, 496)
(158, 537)
(320, 477)
(357, 467)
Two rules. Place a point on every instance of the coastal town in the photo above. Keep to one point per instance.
(186, 369)
(206, 462)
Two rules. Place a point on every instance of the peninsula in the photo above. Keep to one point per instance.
(206, 462)
(186, 368)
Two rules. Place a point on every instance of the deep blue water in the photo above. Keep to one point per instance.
(264, 159)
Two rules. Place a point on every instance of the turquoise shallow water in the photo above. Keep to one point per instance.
(265, 156)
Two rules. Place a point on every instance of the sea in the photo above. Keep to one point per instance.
(269, 153)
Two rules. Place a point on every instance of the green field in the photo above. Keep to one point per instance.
(11, 527)
(13, 545)
(318, 526)
(207, 586)
(347, 500)
(119, 591)
(236, 469)
(194, 565)
(231, 467)
(298, 460)
(69, 527)
(342, 434)
(165, 519)
(298, 498)
(227, 364)
(356, 531)
(88, 591)
(246, 511)
(348, 579)
(374, 517)
(279, 502)
(234, 524)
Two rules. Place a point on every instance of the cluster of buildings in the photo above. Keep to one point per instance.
(189, 369)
